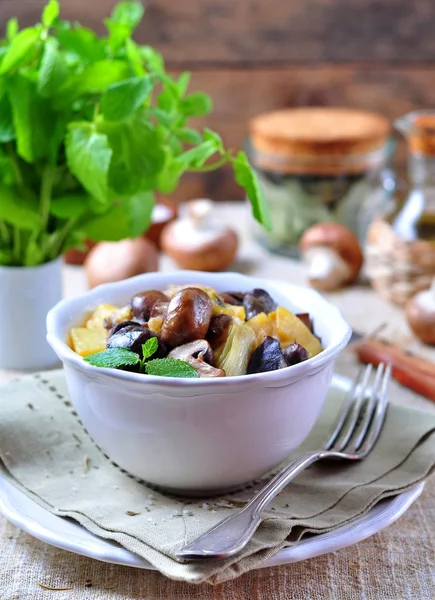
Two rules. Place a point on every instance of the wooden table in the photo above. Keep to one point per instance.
(397, 563)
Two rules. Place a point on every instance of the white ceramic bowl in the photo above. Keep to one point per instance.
(201, 435)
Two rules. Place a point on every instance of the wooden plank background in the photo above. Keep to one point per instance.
(257, 55)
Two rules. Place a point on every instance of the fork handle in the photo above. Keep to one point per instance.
(233, 533)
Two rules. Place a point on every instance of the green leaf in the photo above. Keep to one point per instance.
(169, 177)
(99, 76)
(22, 47)
(138, 155)
(121, 99)
(7, 131)
(153, 59)
(212, 136)
(88, 156)
(189, 135)
(80, 41)
(248, 180)
(50, 13)
(127, 218)
(150, 347)
(197, 156)
(33, 119)
(135, 57)
(183, 83)
(53, 71)
(128, 13)
(12, 28)
(196, 105)
(112, 358)
(18, 212)
(69, 207)
(34, 254)
(170, 367)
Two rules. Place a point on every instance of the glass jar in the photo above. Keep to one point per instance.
(318, 165)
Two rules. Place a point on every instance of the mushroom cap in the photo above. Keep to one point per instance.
(420, 314)
(338, 238)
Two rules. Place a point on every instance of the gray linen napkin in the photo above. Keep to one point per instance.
(45, 452)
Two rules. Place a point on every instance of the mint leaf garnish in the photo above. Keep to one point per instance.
(113, 357)
(150, 347)
(170, 367)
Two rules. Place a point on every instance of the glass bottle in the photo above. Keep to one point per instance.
(414, 217)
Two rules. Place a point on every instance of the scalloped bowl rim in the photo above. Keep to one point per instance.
(64, 315)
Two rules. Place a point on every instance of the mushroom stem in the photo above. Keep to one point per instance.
(326, 267)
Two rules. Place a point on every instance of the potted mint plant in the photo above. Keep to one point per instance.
(91, 127)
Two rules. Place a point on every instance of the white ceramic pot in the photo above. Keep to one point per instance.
(26, 296)
(198, 436)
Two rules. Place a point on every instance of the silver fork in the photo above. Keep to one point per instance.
(353, 438)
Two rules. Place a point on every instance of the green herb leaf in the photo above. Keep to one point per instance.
(81, 41)
(22, 47)
(99, 76)
(153, 59)
(33, 118)
(212, 136)
(170, 367)
(113, 357)
(53, 71)
(121, 99)
(7, 131)
(196, 105)
(50, 13)
(128, 13)
(12, 28)
(88, 155)
(197, 156)
(16, 211)
(189, 135)
(150, 347)
(69, 207)
(183, 83)
(246, 178)
(127, 218)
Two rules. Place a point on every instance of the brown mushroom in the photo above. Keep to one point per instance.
(333, 255)
(143, 303)
(198, 241)
(200, 356)
(420, 314)
(187, 318)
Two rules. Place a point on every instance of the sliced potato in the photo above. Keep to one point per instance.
(231, 310)
(86, 341)
(290, 328)
(102, 312)
(262, 326)
(155, 324)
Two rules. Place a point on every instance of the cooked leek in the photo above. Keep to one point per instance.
(234, 356)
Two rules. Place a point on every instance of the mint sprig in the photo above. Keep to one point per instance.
(170, 367)
(113, 358)
(161, 367)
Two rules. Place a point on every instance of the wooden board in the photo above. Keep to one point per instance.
(263, 32)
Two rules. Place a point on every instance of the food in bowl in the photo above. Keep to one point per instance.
(194, 331)
(201, 435)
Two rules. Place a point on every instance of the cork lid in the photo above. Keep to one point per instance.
(421, 134)
(318, 135)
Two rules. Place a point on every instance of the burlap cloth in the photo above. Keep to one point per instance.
(397, 563)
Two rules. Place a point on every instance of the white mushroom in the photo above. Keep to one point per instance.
(199, 355)
(333, 255)
(199, 241)
(420, 313)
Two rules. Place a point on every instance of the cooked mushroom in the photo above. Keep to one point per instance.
(133, 337)
(143, 303)
(188, 317)
(420, 313)
(218, 330)
(115, 328)
(333, 255)
(198, 241)
(267, 356)
(294, 354)
(258, 301)
(200, 356)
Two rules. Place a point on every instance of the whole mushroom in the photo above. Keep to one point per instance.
(198, 241)
(420, 314)
(114, 261)
(332, 254)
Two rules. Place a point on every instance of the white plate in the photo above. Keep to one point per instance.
(69, 535)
